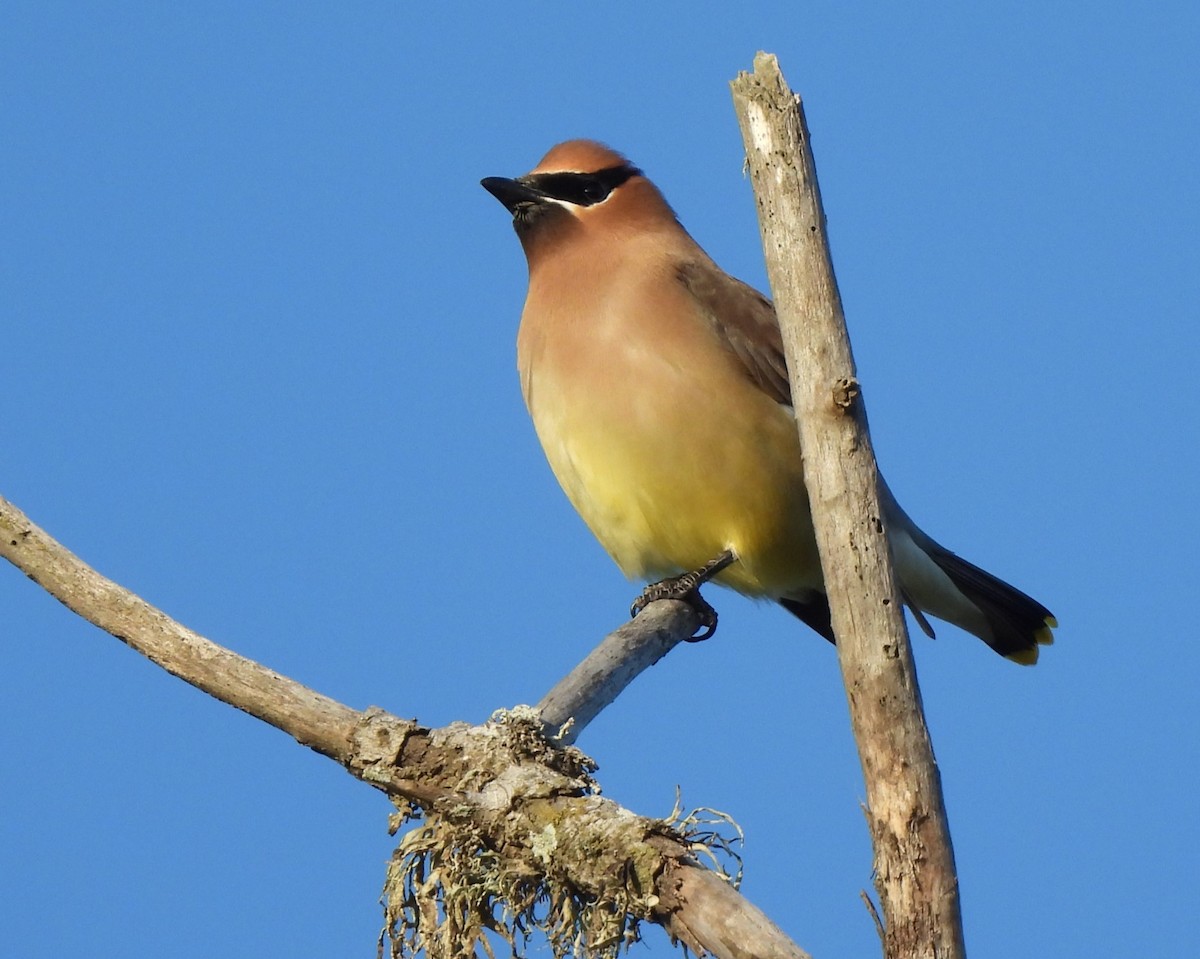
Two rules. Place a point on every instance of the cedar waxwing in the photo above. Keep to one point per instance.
(657, 386)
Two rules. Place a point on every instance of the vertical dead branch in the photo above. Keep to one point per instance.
(914, 862)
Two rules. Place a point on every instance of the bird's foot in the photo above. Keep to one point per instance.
(686, 588)
(677, 588)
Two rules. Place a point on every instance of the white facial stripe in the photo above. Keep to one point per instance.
(565, 204)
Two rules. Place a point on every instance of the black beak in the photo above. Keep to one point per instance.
(512, 193)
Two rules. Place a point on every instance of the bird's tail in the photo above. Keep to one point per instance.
(934, 580)
(1015, 625)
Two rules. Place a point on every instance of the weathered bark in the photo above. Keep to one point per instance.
(914, 862)
(501, 779)
(598, 680)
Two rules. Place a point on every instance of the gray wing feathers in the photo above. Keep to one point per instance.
(744, 321)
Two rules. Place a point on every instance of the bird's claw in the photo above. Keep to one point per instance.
(683, 588)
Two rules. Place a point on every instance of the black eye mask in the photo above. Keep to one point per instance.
(582, 189)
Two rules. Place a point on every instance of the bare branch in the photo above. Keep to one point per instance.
(314, 720)
(625, 653)
(725, 923)
(914, 862)
(500, 781)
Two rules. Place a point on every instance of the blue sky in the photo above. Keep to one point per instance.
(257, 323)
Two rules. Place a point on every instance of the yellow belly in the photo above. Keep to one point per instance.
(669, 466)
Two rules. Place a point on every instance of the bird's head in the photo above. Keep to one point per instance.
(579, 189)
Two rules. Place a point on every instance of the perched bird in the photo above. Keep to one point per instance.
(657, 386)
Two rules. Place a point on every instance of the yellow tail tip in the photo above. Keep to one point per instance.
(1026, 657)
(1043, 637)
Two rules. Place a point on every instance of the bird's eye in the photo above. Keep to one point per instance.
(595, 191)
(581, 189)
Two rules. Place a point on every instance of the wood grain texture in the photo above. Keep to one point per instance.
(914, 861)
(621, 657)
(502, 777)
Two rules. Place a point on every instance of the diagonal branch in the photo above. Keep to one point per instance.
(914, 862)
(502, 777)
(314, 720)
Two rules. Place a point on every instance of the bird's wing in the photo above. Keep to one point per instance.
(745, 322)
